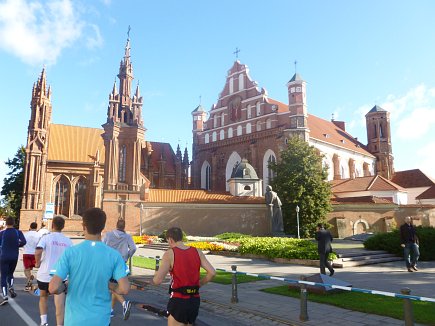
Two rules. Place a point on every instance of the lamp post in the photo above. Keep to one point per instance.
(297, 219)
(140, 225)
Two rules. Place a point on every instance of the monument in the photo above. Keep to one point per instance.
(274, 212)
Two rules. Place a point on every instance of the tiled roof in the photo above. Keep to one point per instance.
(362, 199)
(75, 144)
(428, 194)
(412, 179)
(372, 183)
(198, 196)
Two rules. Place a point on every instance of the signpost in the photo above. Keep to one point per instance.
(49, 211)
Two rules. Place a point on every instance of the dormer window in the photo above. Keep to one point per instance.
(327, 135)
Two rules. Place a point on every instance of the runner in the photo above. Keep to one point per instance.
(124, 244)
(48, 251)
(183, 263)
(10, 240)
(90, 266)
(32, 239)
(43, 230)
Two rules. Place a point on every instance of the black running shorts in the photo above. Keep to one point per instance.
(184, 310)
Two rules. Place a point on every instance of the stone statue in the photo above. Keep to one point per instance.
(275, 214)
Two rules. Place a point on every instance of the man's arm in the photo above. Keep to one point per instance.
(210, 271)
(122, 287)
(131, 247)
(21, 239)
(56, 285)
(164, 268)
(38, 256)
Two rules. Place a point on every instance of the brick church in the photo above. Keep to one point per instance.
(246, 123)
(76, 167)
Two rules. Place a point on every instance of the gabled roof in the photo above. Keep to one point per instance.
(412, 179)
(428, 194)
(198, 196)
(372, 183)
(75, 144)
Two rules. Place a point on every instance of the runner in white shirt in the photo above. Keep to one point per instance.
(48, 251)
(43, 230)
(32, 238)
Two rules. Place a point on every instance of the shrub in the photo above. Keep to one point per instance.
(231, 236)
(390, 242)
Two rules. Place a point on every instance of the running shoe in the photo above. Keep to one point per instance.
(27, 288)
(12, 292)
(126, 307)
(4, 301)
(45, 324)
(112, 313)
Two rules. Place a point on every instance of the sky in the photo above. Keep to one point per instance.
(352, 54)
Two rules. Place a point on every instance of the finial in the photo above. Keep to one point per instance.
(237, 53)
(200, 97)
(333, 117)
(296, 66)
(128, 32)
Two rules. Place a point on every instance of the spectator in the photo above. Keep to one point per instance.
(409, 243)
(324, 248)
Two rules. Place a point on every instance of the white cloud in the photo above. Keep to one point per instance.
(38, 31)
(426, 155)
(95, 40)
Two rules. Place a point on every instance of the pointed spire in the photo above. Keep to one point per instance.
(42, 83)
(186, 156)
(137, 94)
(179, 157)
(114, 91)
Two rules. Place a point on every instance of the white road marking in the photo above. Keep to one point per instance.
(24, 316)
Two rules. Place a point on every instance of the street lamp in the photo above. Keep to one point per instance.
(297, 219)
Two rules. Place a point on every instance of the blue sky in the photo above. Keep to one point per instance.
(352, 54)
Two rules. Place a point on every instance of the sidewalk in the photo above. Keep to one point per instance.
(259, 308)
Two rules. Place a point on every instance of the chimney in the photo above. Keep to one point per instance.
(340, 124)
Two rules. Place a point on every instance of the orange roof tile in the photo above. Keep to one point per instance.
(75, 144)
(373, 183)
(412, 179)
(198, 196)
(428, 194)
(362, 199)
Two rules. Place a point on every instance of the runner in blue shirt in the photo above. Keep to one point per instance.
(89, 267)
(10, 240)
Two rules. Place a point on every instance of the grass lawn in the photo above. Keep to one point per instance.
(424, 312)
(221, 277)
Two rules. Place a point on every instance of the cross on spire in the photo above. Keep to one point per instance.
(237, 53)
(296, 65)
(128, 32)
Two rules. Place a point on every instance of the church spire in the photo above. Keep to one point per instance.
(125, 75)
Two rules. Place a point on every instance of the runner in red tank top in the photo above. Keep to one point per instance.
(183, 263)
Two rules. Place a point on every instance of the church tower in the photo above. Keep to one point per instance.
(297, 105)
(124, 133)
(379, 140)
(37, 146)
(199, 115)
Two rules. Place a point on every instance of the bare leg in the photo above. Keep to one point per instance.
(59, 302)
(43, 298)
(117, 297)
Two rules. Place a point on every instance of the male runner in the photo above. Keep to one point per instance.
(183, 263)
(90, 266)
(48, 251)
(122, 242)
(10, 240)
(32, 239)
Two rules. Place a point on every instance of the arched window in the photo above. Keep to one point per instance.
(248, 128)
(122, 163)
(231, 85)
(214, 136)
(80, 197)
(239, 130)
(258, 125)
(268, 175)
(222, 119)
(61, 197)
(258, 109)
(230, 132)
(222, 135)
(249, 113)
(207, 138)
(215, 122)
(233, 159)
(241, 82)
(206, 176)
(268, 123)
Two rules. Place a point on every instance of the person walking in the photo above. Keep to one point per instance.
(90, 266)
(410, 244)
(122, 242)
(47, 253)
(183, 263)
(32, 239)
(10, 240)
(324, 248)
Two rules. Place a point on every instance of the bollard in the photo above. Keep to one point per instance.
(303, 316)
(407, 308)
(234, 298)
(157, 262)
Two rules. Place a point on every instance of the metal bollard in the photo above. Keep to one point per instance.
(234, 298)
(303, 316)
(407, 308)
(157, 262)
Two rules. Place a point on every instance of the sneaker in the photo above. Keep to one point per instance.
(410, 270)
(126, 307)
(112, 313)
(27, 288)
(45, 324)
(12, 292)
(331, 272)
(4, 301)
(414, 268)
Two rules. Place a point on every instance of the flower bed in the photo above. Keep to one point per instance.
(203, 245)
(146, 239)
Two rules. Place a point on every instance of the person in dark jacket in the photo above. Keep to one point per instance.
(10, 240)
(324, 239)
(409, 243)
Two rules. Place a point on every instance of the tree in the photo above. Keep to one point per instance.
(12, 189)
(301, 180)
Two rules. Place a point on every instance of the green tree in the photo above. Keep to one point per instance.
(13, 185)
(301, 180)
